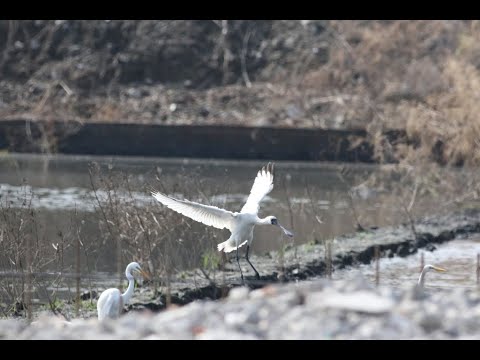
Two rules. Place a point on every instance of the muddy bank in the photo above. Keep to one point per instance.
(310, 260)
(328, 74)
(298, 264)
(189, 141)
(318, 309)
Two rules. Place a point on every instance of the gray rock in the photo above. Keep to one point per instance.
(307, 310)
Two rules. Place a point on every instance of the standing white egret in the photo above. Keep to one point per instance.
(427, 268)
(111, 301)
(240, 224)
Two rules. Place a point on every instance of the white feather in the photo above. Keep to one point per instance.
(262, 185)
(111, 301)
(206, 214)
(240, 224)
(110, 304)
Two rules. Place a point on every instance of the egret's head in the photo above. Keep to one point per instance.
(273, 220)
(134, 269)
(429, 267)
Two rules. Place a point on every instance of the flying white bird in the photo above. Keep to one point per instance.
(427, 268)
(240, 224)
(111, 301)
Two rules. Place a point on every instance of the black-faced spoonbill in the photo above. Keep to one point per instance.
(427, 268)
(111, 301)
(240, 224)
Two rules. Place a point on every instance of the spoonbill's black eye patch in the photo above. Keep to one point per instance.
(274, 221)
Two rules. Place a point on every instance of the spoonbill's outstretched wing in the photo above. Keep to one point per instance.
(206, 214)
(262, 186)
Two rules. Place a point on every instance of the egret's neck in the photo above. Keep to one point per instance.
(129, 292)
(421, 279)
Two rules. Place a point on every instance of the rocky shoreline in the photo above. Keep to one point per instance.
(318, 309)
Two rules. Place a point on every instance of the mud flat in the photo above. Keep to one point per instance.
(308, 261)
(298, 290)
(301, 263)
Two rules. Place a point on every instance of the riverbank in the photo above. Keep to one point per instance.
(309, 261)
(318, 309)
(419, 77)
(190, 141)
(298, 264)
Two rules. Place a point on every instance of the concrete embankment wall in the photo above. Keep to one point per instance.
(187, 141)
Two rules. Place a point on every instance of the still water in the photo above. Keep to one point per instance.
(458, 257)
(311, 199)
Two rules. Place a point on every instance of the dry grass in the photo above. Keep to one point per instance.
(447, 125)
(420, 76)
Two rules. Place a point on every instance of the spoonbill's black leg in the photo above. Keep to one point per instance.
(248, 260)
(238, 262)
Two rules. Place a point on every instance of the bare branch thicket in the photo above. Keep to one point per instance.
(222, 50)
(12, 29)
(152, 234)
(243, 59)
(285, 182)
(341, 175)
(408, 209)
(33, 265)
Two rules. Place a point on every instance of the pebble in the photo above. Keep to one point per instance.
(318, 309)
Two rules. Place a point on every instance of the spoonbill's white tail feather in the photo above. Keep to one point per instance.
(206, 214)
(228, 246)
(262, 185)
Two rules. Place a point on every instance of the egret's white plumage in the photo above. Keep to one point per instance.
(240, 224)
(111, 301)
(427, 268)
(110, 304)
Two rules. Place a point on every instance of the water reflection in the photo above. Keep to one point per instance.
(459, 257)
